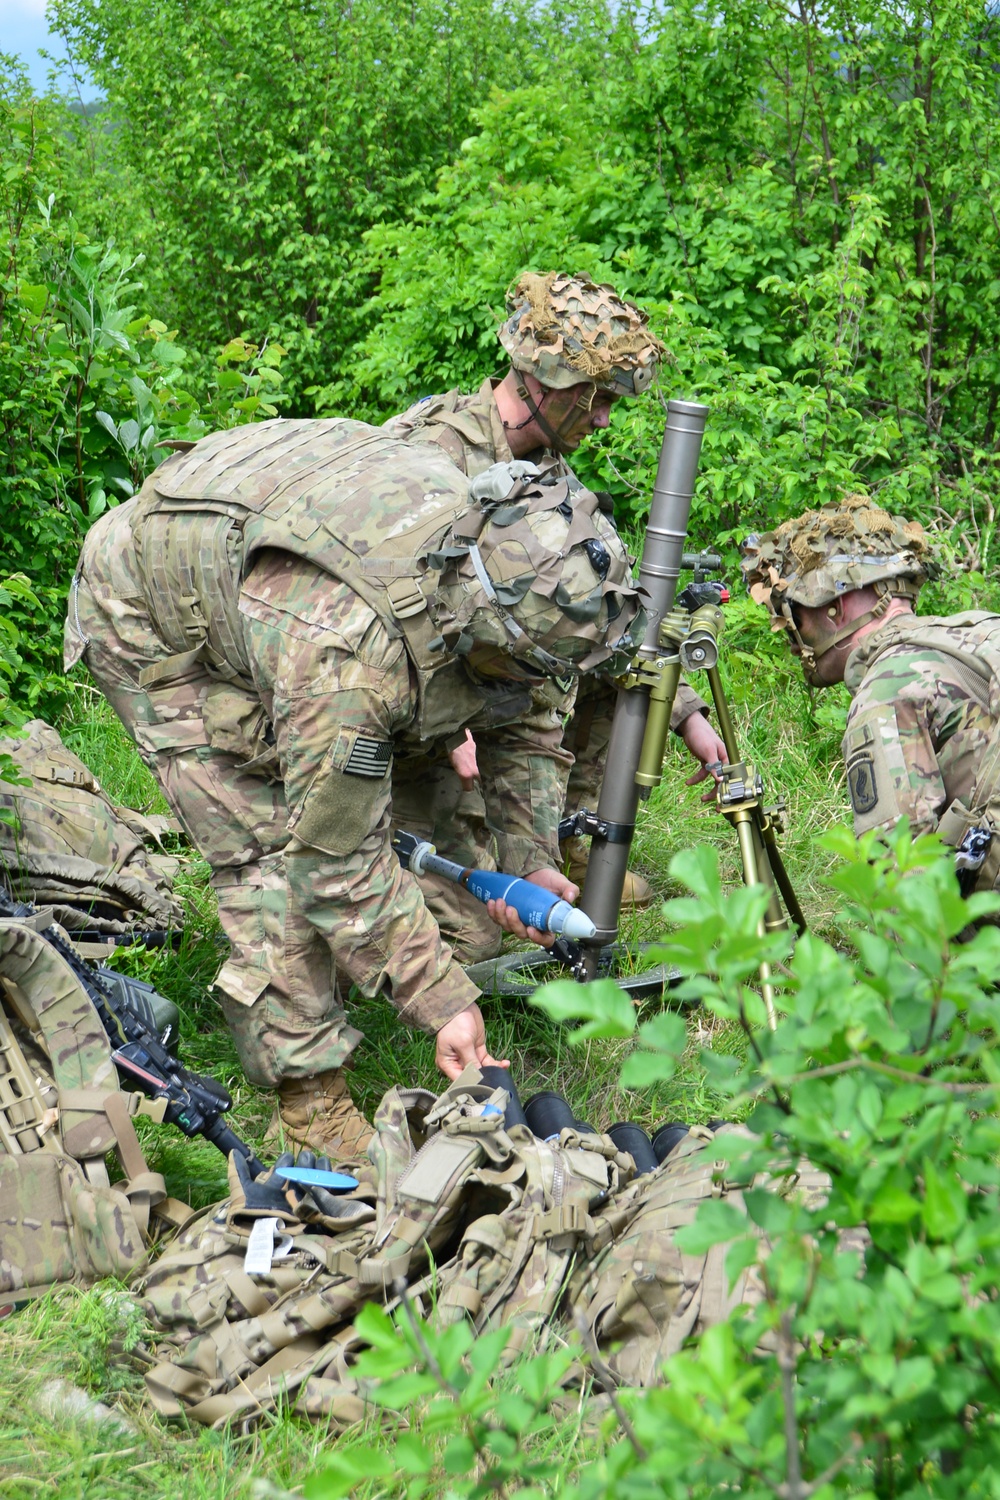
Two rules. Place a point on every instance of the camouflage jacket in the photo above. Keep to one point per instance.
(469, 430)
(923, 712)
(329, 681)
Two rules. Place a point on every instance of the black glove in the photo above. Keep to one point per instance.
(318, 1205)
(256, 1197)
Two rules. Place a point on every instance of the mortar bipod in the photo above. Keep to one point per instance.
(740, 787)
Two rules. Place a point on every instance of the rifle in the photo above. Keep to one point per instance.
(194, 1104)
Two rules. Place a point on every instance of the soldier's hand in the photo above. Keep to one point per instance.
(464, 763)
(705, 745)
(462, 1041)
(506, 917)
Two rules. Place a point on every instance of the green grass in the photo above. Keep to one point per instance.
(793, 740)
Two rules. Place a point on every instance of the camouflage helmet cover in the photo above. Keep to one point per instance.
(565, 330)
(832, 551)
(554, 571)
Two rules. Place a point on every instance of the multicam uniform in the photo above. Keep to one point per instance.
(288, 713)
(468, 428)
(921, 720)
(922, 737)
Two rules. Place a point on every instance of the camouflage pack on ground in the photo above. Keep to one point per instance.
(61, 1113)
(69, 847)
(478, 1222)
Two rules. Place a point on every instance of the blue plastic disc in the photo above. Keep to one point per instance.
(316, 1177)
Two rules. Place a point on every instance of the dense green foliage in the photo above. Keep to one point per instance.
(869, 1365)
(268, 136)
(90, 383)
(806, 198)
(807, 201)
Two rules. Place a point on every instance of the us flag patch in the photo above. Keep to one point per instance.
(368, 757)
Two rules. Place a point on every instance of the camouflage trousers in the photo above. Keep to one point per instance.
(278, 990)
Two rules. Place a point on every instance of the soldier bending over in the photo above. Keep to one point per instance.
(287, 619)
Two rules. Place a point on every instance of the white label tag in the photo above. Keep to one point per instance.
(260, 1247)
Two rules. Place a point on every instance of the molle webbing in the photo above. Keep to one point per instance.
(344, 496)
(61, 1112)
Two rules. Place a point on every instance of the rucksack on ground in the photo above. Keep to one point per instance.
(476, 1222)
(62, 1113)
(68, 846)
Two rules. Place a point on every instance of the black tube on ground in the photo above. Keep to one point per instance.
(499, 1078)
(666, 1138)
(547, 1114)
(634, 1141)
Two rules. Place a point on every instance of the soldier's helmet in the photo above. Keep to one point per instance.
(565, 330)
(535, 577)
(832, 551)
(829, 552)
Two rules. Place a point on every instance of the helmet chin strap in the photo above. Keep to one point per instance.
(810, 655)
(556, 437)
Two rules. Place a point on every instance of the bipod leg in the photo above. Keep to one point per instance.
(770, 865)
(781, 877)
(743, 824)
(756, 847)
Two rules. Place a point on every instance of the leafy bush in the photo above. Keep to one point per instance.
(870, 1365)
(265, 136)
(806, 200)
(91, 385)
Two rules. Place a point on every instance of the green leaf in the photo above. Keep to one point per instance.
(605, 1009)
(643, 1070)
(35, 298)
(945, 1207)
(715, 1223)
(894, 1203)
(412, 1455)
(346, 1468)
(459, 1456)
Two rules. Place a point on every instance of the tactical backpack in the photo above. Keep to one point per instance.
(475, 1222)
(69, 847)
(61, 1113)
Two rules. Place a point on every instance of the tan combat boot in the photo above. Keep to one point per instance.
(319, 1114)
(636, 892)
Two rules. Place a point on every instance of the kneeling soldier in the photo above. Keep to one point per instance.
(287, 619)
(921, 739)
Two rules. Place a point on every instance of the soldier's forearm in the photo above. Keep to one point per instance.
(686, 703)
(382, 936)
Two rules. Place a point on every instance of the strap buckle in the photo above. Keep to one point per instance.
(406, 597)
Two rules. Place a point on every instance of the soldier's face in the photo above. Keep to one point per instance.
(817, 626)
(576, 412)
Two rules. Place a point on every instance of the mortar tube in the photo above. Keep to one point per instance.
(663, 552)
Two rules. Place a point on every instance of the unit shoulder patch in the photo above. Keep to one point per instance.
(862, 784)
